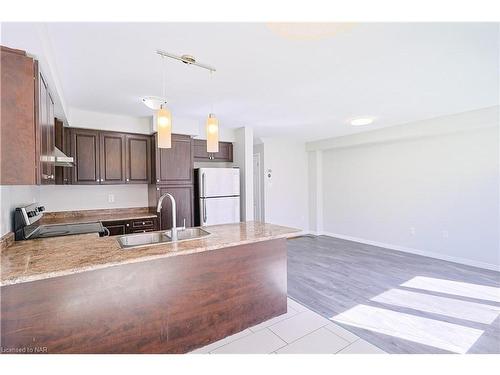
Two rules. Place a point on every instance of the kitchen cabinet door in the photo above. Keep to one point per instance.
(175, 165)
(183, 196)
(43, 115)
(112, 158)
(46, 128)
(225, 152)
(138, 159)
(85, 151)
(200, 150)
(50, 134)
(19, 160)
(62, 137)
(117, 228)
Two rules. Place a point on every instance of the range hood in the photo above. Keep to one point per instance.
(62, 160)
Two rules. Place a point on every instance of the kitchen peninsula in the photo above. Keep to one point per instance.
(85, 294)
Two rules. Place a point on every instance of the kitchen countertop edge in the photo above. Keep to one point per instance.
(292, 232)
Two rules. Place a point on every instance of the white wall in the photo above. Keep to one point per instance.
(434, 193)
(107, 121)
(12, 196)
(68, 198)
(90, 197)
(315, 191)
(286, 192)
(243, 158)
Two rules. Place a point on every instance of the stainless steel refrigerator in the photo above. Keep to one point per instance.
(218, 195)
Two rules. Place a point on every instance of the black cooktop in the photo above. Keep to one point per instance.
(57, 230)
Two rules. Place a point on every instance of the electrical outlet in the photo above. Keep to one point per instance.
(412, 231)
(111, 198)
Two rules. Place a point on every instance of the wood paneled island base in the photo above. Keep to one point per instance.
(167, 305)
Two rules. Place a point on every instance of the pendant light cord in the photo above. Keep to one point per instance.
(164, 90)
(213, 90)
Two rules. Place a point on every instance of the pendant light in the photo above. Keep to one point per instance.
(164, 120)
(212, 128)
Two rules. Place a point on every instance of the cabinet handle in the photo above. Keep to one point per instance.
(128, 225)
(128, 180)
(157, 180)
(97, 180)
(143, 223)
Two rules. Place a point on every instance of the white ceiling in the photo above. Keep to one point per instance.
(296, 85)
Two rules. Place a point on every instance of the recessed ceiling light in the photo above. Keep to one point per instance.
(361, 121)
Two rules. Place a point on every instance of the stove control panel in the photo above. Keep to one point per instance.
(30, 214)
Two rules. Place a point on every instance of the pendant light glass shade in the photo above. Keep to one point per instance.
(164, 126)
(212, 133)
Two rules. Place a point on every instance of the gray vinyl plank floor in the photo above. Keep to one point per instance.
(399, 302)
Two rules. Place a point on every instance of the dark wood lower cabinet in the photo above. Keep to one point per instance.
(121, 227)
(183, 196)
(168, 305)
(116, 228)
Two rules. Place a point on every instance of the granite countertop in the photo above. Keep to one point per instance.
(92, 216)
(38, 259)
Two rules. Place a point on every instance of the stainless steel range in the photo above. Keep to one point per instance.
(27, 227)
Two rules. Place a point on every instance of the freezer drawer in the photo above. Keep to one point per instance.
(223, 210)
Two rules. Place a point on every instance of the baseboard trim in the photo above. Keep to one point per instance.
(430, 254)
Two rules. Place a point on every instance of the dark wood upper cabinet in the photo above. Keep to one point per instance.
(184, 202)
(27, 118)
(200, 150)
(175, 165)
(17, 132)
(85, 151)
(112, 158)
(138, 158)
(104, 157)
(45, 132)
(225, 153)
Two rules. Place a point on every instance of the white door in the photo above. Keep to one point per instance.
(219, 182)
(220, 210)
(257, 193)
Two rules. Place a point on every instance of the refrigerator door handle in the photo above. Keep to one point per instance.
(204, 211)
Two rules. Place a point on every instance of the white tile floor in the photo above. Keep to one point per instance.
(299, 331)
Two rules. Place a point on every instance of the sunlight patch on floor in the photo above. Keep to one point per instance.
(442, 335)
(472, 311)
(458, 288)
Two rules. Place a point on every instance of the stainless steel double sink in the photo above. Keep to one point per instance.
(156, 238)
